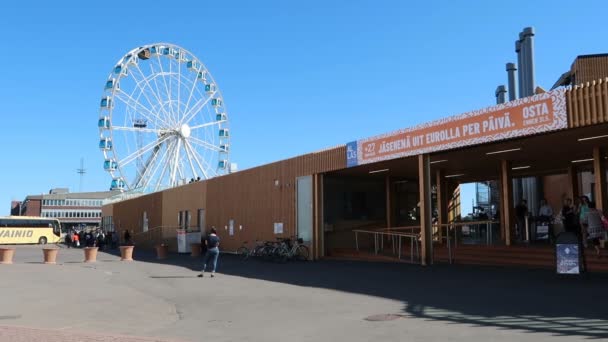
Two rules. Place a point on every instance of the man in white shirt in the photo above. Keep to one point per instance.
(545, 217)
(545, 212)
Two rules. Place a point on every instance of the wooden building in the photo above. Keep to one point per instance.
(396, 181)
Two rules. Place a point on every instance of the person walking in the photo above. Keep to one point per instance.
(213, 251)
(521, 213)
(76, 239)
(592, 222)
(68, 239)
(101, 240)
(568, 215)
(583, 208)
(127, 237)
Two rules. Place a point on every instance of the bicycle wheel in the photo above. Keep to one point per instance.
(281, 254)
(258, 251)
(302, 253)
(266, 252)
(243, 252)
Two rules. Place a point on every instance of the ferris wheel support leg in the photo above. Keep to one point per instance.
(175, 160)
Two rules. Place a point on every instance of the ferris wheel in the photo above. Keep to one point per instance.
(162, 120)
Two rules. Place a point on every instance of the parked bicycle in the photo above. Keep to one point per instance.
(291, 249)
(282, 250)
(257, 249)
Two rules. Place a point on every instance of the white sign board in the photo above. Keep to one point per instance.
(278, 227)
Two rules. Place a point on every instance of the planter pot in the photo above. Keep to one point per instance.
(6, 255)
(126, 253)
(50, 255)
(196, 249)
(90, 254)
(162, 251)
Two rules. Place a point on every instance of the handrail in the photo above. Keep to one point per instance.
(461, 224)
(148, 231)
(414, 240)
(411, 228)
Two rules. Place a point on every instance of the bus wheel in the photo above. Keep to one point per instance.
(42, 241)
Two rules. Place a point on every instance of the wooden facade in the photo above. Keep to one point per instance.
(253, 200)
(588, 104)
(589, 68)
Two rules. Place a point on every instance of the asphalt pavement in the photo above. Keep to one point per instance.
(253, 300)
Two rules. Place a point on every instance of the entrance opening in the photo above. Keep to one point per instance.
(352, 203)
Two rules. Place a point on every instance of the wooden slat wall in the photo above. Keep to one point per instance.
(253, 201)
(590, 68)
(588, 104)
(129, 214)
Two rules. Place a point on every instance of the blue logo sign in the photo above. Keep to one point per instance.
(567, 258)
(351, 154)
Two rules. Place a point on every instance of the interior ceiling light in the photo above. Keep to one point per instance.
(596, 137)
(582, 160)
(521, 167)
(455, 175)
(439, 161)
(504, 151)
(377, 171)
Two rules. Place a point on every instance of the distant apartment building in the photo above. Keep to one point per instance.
(74, 210)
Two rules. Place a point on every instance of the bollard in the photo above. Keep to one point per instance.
(6, 255)
(126, 253)
(50, 255)
(90, 254)
(161, 251)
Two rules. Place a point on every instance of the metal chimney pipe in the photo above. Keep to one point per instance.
(501, 90)
(528, 47)
(520, 70)
(511, 69)
(524, 67)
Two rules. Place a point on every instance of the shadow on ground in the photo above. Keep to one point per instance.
(506, 298)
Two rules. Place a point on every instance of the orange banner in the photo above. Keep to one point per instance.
(540, 113)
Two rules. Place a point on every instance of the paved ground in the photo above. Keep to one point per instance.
(323, 301)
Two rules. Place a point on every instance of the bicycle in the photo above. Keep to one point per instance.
(245, 252)
(289, 249)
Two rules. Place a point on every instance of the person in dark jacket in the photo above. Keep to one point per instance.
(213, 251)
(127, 237)
(68, 239)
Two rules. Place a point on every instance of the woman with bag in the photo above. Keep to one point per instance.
(594, 227)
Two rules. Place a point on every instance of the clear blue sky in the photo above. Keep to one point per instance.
(296, 76)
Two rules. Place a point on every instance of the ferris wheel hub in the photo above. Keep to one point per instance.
(185, 131)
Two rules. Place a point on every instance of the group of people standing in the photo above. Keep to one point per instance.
(97, 238)
(584, 219)
(581, 217)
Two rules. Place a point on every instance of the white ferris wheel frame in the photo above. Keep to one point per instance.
(176, 154)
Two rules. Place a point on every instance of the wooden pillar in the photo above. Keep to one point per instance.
(599, 174)
(426, 226)
(501, 208)
(388, 201)
(573, 179)
(506, 200)
(318, 248)
(442, 202)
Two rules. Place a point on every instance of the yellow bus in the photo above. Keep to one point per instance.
(24, 229)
